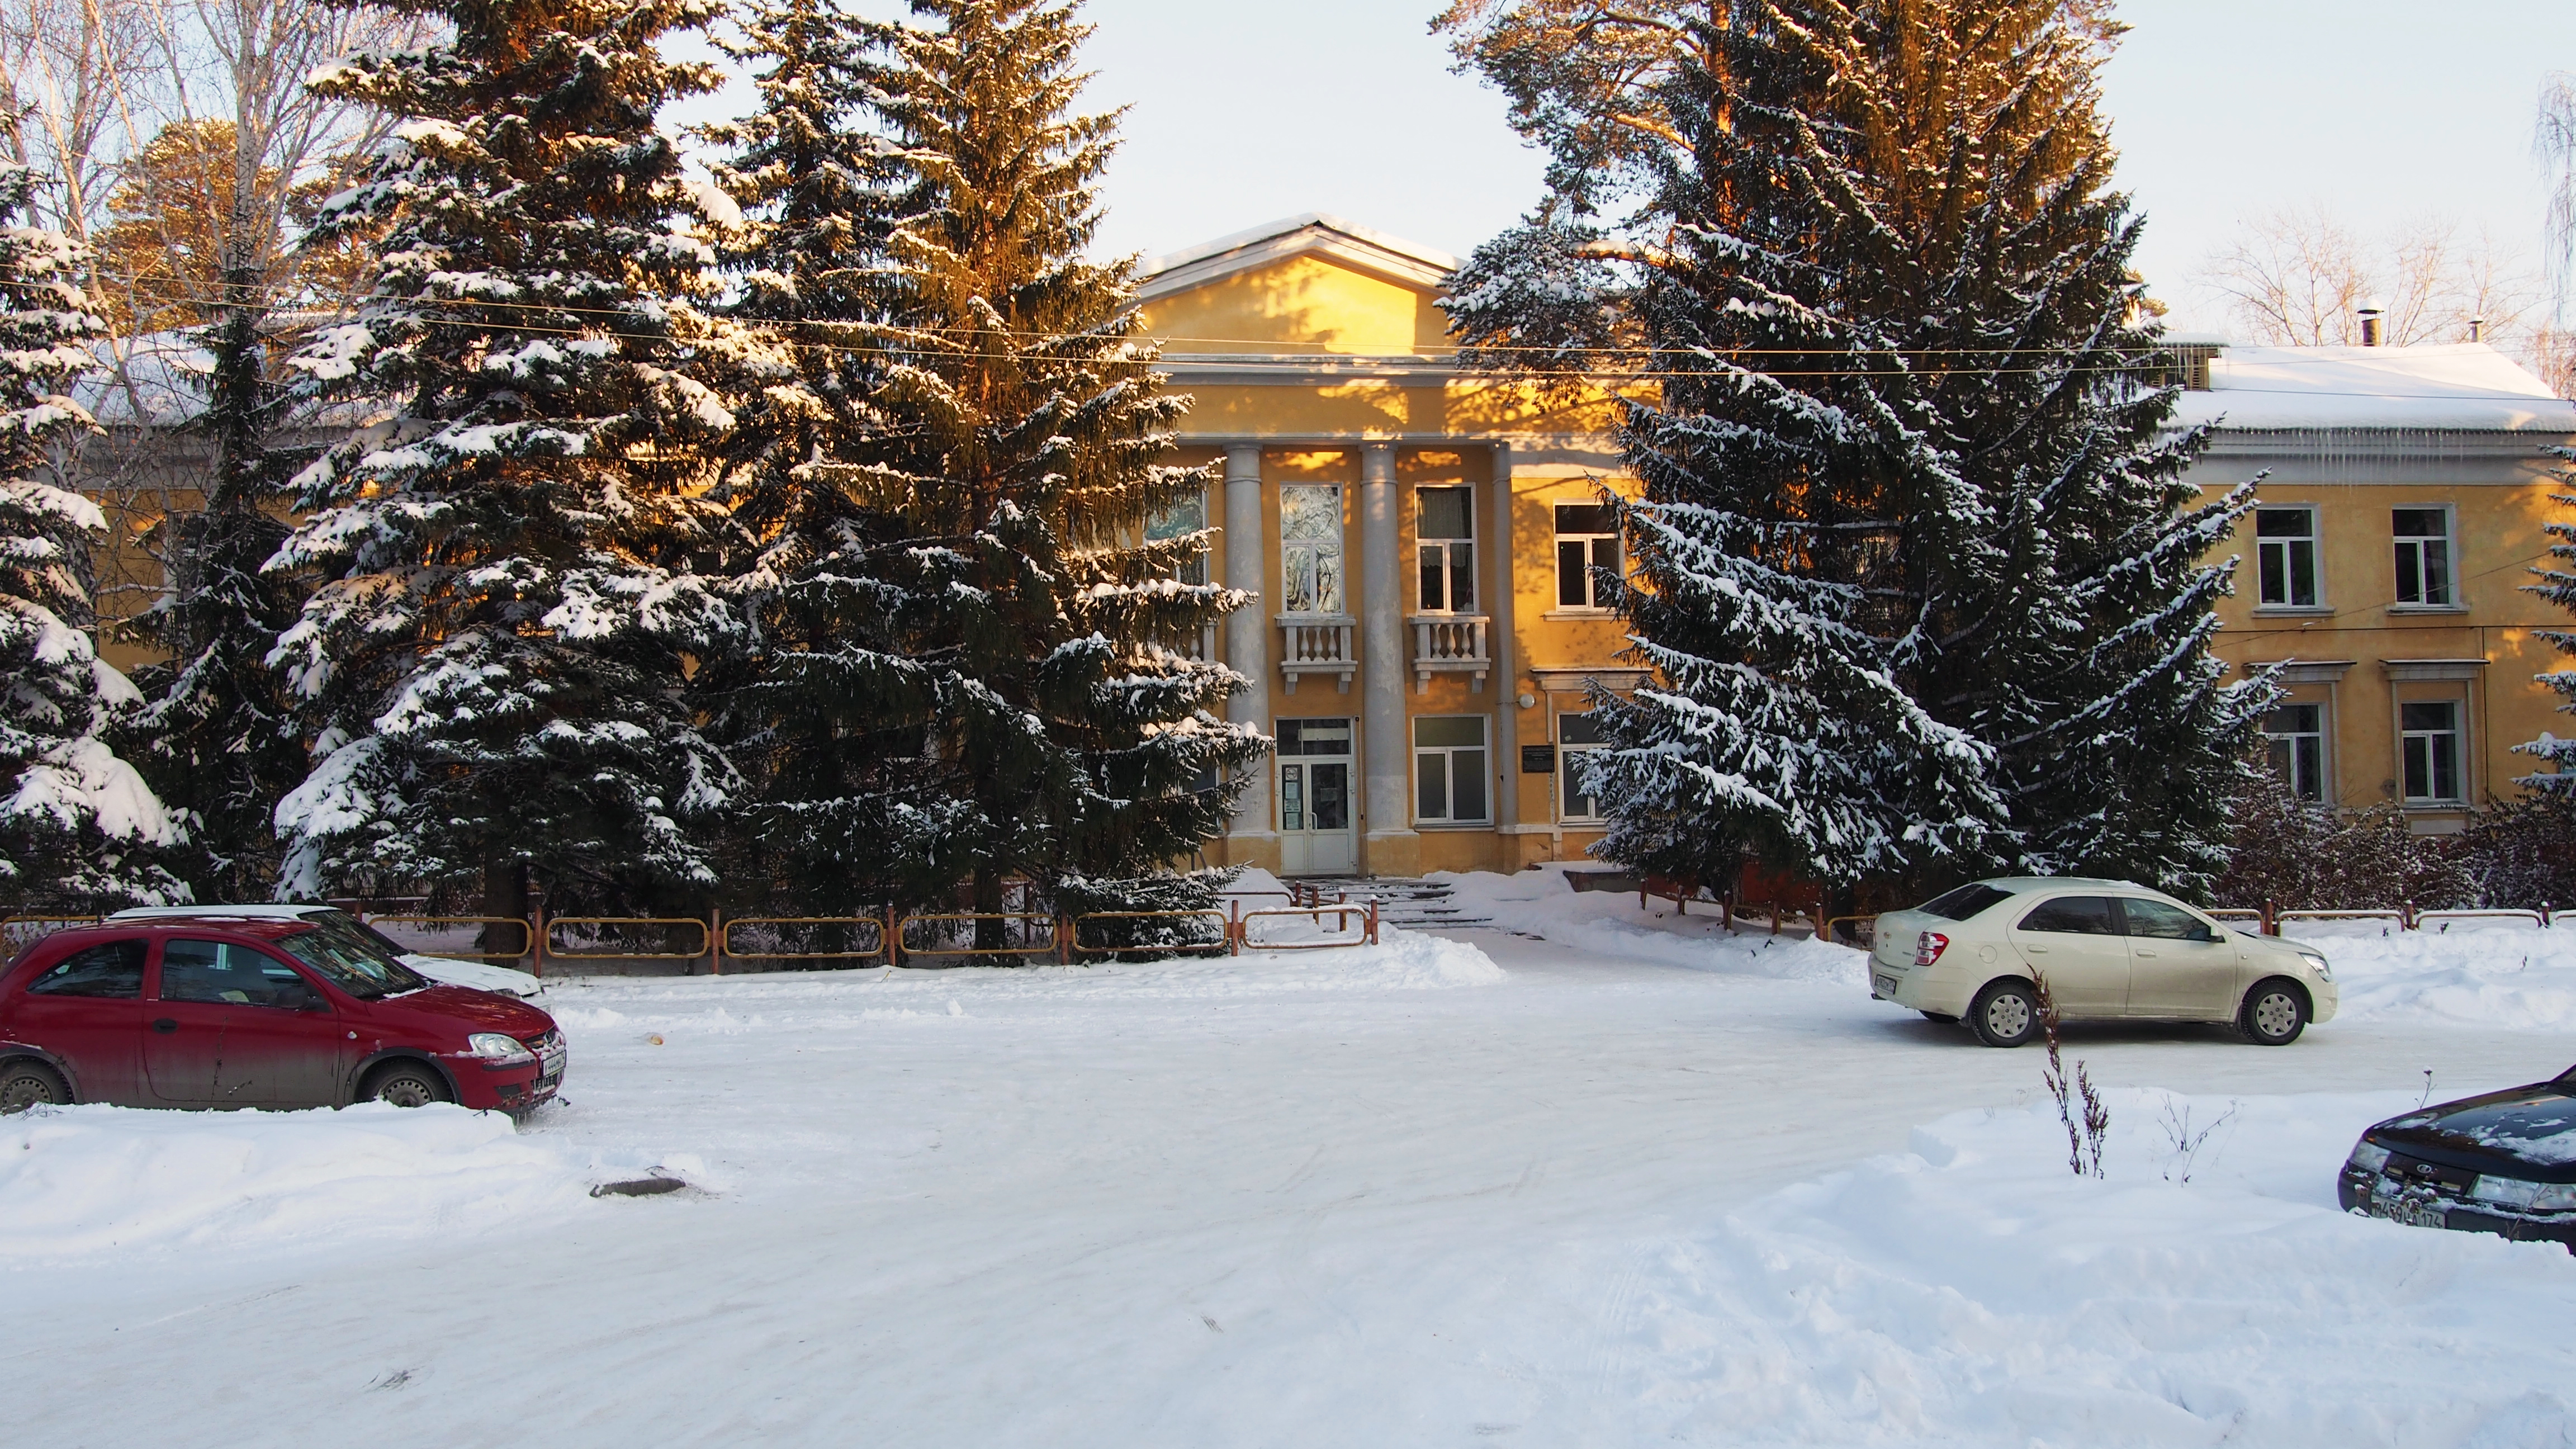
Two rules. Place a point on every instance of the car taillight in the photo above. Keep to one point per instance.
(1929, 946)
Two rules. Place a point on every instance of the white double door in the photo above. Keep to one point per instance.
(1317, 835)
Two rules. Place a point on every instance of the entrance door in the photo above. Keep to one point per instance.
(1316, 834)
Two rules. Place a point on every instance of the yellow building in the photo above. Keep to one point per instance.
(1419, 537)
(2384, 573)
(1420, 541)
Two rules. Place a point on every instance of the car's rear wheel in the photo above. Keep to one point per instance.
(25, 1084)
(407, 1084)
(1942, 1017)
(2274, 1014)
(2005, 1013)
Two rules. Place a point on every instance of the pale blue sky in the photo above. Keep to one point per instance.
(1247, 110)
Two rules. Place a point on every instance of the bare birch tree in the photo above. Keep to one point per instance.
(2299, 277)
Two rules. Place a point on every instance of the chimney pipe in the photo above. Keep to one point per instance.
(2477, 329)
(2370, 315)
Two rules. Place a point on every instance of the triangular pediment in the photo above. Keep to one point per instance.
(1310, 284)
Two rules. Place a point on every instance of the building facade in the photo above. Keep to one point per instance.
(1421, 542)
(2403, 495)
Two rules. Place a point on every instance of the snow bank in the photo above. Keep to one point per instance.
(78, 1181)
(934, 999)
(2519, 978)
(1543, 903)
(1973, 1290)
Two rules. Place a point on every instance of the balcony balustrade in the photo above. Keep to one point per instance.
(1449, 644)
(1316, 644)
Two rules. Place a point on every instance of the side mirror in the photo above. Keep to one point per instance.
(2203, 935)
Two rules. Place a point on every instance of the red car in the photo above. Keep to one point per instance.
(219, 1011)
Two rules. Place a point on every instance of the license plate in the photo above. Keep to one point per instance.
(2418, 1212)
(1887, 986)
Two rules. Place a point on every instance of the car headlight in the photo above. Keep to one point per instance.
(2317, 963)
(2506, 1192)
(494, 1046)
(2369, 1157)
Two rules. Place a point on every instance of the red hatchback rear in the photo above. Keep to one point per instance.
(220, 1011)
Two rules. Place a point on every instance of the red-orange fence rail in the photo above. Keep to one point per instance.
(1225, 934)
(1366, 911)
(862, 928)
(484, 948)
(941, 929)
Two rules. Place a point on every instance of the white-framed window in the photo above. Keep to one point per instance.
(2285, 555)
(2424, 559)
(1587, 538)
(2428, 735)
(2298, 736)
(1182, 519)
(1449, 785)
(1445, 531)
(1310, 548)
(1577, 735)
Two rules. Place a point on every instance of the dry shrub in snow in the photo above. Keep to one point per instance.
(2299, 855)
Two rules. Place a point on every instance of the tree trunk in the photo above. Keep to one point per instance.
(505, 895)
(990, 935)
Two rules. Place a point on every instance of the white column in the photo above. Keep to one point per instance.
(1247, 630)
(1498, 607)
(1383, 670)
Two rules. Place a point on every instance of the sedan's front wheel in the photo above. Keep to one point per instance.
(25, 1084)
(407, 1084)
(2275, 1012)
(2005, 1013)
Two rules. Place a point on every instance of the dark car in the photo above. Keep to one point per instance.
(2500, 1163)
(234, 1012)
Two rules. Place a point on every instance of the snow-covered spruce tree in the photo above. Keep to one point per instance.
(2557, 584)
(79, 829)
(217, 734)
(506, 589)
(965, 602)
(1912, 547)
(821, 710)
(1776, 725)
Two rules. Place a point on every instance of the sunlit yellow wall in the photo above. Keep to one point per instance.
(1301, 306)
(2497, 538)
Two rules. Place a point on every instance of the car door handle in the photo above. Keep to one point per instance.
(165, 1024)
(2036, 950)
(2146, 953)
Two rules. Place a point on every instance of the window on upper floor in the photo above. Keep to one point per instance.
(2429, 751)
(2423, 555)
(2285, 554)
(2298, 739)
(1182, 520)
(1310, 548)
(1587, 539)
(1445, 530)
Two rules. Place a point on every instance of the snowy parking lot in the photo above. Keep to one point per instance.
(1637, 1181)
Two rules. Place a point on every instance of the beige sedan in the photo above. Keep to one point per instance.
(2107, 951)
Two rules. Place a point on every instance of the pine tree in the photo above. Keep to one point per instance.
(1918, 569)
(79, 829)
(2557, 585)
(966, 600)
(508, 594)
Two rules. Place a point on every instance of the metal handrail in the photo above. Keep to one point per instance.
(1871, 919)
(725, 946)
(2480, 915)
(527, 933)
(1367, 912)
(556, 923)
(903, 950)
(2373, 915)
(1225, 940)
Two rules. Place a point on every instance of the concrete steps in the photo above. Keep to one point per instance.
(1416, 905)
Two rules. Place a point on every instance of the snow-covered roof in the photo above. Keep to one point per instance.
(1346, 241)
(2459, 385)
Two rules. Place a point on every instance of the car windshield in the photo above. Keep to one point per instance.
(1963, 903)
(350, 961)
(335, 916)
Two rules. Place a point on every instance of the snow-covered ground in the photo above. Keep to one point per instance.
(1646, 1185)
